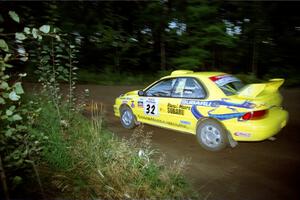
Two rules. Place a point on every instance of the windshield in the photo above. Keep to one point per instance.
(229, 84)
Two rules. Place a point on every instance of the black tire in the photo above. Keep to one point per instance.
(211, 135)
(127, 117)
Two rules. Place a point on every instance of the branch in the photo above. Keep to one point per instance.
(3, 180)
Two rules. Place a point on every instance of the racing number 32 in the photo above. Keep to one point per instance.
(151, 107)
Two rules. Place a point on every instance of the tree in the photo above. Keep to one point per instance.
(204, 38)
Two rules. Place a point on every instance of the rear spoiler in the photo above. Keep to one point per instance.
(256, 89)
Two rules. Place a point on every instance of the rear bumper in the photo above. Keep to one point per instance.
(258, 130)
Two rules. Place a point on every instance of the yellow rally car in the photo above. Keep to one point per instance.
(214, 106)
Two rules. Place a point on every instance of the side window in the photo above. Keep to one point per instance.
(161, 89)
(188, 88)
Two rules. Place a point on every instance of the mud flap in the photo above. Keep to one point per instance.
(231, 141)
(272, 138)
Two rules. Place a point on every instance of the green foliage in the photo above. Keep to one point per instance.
(14, 16)
(191, 63)
(87, 161)
(205, 36)
(18, 148)
(249, 78)
(54, 54)
(233, 36)
(49, 124)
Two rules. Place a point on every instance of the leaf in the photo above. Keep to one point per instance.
(5, 77)
(17, 180)
(16, 117)
(20, 36)
(26, 30)
(45, 28)
(57, 37)
(8, 66)
(2, 101)
(12, 108)
(8, 112)
(4, 85)
(13, 96)
(9, 132)
(5, 95)
(24, 59)
(18, 88)
(34, 33)
(3, 45)
(14, 16)
(7, 56)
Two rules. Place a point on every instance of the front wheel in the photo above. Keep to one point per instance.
(127, 118)
(211, 135)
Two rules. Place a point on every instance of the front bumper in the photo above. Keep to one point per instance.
(116, 110)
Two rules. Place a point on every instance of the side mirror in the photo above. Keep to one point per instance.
(141, 93)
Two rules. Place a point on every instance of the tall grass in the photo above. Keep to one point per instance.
(88, 161)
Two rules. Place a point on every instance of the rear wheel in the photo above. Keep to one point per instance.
(211, 135)
(127, 117)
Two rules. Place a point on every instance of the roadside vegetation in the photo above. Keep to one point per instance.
(46, 141)
(88, 161)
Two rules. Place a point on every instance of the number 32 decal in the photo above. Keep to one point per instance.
(151, 107)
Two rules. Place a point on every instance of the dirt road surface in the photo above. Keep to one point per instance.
(250, 171)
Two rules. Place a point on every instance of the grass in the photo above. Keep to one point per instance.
(85, 160)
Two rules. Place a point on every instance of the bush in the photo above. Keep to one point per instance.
(88, 161)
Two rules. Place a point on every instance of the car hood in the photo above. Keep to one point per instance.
(134, 92)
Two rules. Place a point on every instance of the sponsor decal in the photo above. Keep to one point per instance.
(223, 79)
(184, 107)
(132, 104)
(221, 117)
(140, 104)
(151, 100)
(185, 122)
(199, 103)
(242, 134)
(154, 119)
(174, 109)
(125, 98)
(218, 103)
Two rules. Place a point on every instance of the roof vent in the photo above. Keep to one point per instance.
(181, 72)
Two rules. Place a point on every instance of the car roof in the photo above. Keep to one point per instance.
(189, 73)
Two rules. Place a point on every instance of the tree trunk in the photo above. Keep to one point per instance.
(254, 58)
(162, 54)
(163, 25)
(3, 180)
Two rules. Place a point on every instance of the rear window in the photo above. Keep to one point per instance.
(229, 84)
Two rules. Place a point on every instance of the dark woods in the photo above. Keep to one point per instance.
(150, 36)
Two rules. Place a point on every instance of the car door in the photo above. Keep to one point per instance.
(152, 106)
(179, 107)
